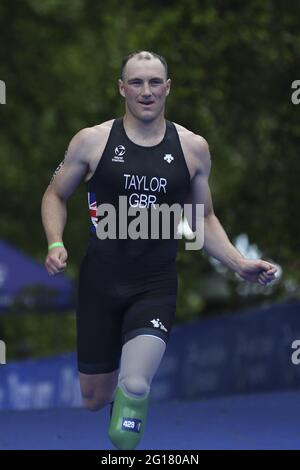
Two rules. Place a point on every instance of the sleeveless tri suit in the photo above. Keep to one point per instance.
(128, 287)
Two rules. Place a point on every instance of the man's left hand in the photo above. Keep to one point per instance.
(257, 271)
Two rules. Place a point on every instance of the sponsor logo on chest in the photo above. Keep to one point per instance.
(119, 152)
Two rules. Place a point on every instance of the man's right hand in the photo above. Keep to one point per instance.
(56, 260)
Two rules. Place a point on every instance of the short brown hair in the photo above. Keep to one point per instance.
(148, 55)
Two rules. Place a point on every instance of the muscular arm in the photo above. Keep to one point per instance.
(216, 241)
(65, 180)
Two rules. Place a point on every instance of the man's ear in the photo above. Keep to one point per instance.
(168, 86)
(121, 87)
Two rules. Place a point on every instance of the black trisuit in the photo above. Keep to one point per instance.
(128, 287)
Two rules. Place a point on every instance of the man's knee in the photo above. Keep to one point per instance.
(98, 390)
(135, 385)
(95, 403)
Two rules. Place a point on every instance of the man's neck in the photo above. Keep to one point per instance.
(143, 132)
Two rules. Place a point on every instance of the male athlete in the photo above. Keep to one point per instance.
(127, 287)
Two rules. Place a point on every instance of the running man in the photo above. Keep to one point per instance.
(128, 287)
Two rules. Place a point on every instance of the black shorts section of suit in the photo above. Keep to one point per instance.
(113, 310)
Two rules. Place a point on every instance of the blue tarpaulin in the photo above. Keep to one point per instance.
(25, 283)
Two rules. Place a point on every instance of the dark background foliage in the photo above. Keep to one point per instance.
(232, 64)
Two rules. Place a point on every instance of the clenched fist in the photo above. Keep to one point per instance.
(56, 260)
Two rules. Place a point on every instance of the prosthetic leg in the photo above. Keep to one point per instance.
(140, 359)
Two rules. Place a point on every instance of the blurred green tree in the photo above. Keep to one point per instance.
(231, 64)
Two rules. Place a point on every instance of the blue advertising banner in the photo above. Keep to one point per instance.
(248, 352)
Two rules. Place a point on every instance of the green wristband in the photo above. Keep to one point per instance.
(54, 245)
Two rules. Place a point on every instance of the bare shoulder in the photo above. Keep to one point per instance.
(89, 135)
(89, 141)
(195, 142)
(195, 149)
(103, 128)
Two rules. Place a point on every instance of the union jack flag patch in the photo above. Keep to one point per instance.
(93, 210)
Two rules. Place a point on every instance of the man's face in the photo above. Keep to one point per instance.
(145, 87)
